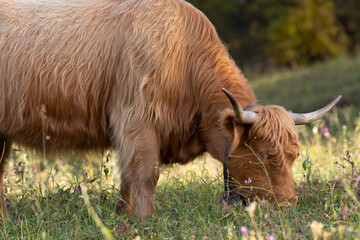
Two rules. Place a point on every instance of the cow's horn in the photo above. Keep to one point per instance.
(241, 116)
(304, 118)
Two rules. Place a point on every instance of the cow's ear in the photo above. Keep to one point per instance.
(233, 128)
(229, 122)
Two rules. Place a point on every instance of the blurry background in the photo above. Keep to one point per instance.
(317, 39)
(266, 33)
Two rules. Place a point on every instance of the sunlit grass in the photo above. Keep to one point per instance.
(46, 201)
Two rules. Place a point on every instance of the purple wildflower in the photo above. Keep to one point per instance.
(244, 230)
(325, 130)
(227, 170)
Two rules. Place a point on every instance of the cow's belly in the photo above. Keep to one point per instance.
(58, 134)
(64, 142)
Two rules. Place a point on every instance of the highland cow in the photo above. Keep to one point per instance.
(144, 77)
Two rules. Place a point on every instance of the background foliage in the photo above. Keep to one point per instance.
(267, 33)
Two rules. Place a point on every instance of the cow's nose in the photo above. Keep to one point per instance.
(290, 201)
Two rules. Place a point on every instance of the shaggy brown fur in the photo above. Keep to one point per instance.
(143, 76)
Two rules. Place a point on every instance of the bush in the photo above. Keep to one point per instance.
(308, 32)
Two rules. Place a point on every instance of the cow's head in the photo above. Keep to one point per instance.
(264, 147)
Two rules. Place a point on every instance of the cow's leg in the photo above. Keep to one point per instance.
(127, 196)
(139, 175)
(137, 189)
(5, 147)
(144, 187)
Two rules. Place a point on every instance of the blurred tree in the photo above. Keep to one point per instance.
(261, 33)
(348, 14)
(257, 16)
(308, 32)
(242, 25)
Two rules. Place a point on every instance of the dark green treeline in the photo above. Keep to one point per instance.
(267, 33)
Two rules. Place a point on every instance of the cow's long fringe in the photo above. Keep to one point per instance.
(283, 131)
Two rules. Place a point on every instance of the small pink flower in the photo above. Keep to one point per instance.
(357, 179)
(271, 238)
(325, 130)
(244, 230)
(344, 213)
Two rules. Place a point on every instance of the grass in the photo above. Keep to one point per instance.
(47, 199)
(308, 88)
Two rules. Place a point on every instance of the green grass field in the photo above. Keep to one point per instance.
(308, 88)
(47, 199)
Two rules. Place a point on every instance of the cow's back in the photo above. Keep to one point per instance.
(68, 67)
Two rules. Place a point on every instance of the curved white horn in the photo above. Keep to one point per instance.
(304, 118)
(241, 116)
